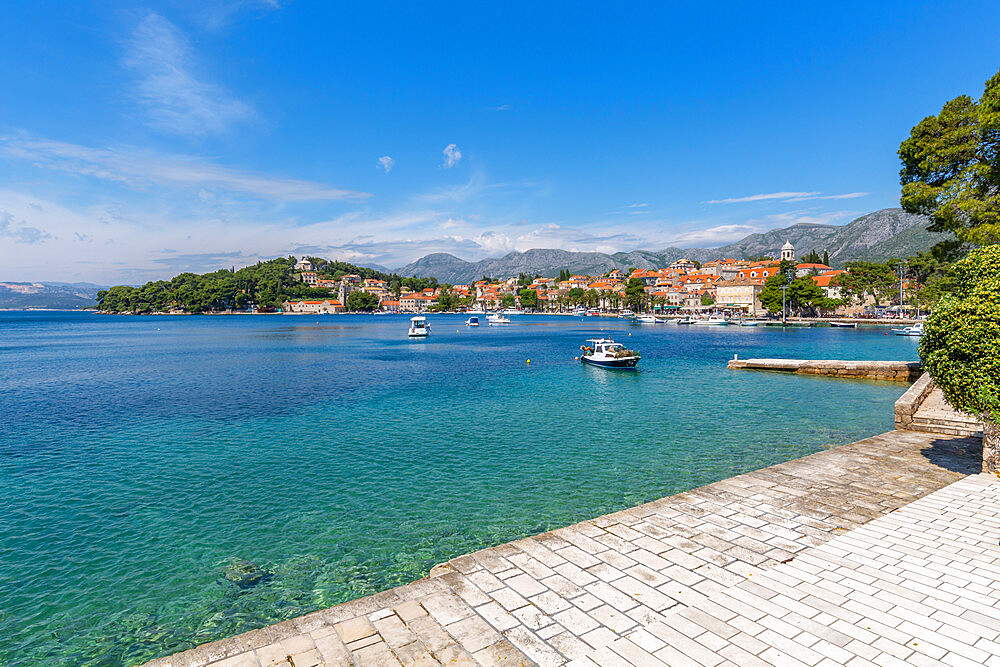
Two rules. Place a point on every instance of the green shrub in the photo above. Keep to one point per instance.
(961, 343)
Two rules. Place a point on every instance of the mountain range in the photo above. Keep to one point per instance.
(882, 235)
(57, 296)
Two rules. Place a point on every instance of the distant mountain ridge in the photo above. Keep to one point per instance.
(57, 296)
(880, 235)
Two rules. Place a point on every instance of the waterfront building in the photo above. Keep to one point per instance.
(312, 307)
(416, 302)
(309, 277)
(742, 293)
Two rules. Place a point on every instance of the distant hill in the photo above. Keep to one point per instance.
(57, 296)
(881, 235)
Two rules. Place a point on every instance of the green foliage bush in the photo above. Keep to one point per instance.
(961, 343)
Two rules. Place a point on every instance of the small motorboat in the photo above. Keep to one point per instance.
(419, 327)
(497, 318)
(606, 353)
(646, 319)
(713, 321)
(513, 311)
(580, 312)
(749, 323)
(844, 325)
(472, 321)
(916, 330)
(593, 312)
(627, 314)
(686, 320)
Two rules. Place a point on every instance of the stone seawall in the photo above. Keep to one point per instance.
(897, 371)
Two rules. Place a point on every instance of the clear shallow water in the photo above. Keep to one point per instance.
(141, 455)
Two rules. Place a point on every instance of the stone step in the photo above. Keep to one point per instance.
(953, 421)
(947, 430)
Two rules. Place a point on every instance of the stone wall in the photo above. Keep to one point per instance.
(908, 403)
(897, 371)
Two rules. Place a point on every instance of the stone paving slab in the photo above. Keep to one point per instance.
(918, 586)
(675, 581)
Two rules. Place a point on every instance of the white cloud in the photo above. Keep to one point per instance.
(790, 218)
(177, 98)
(451, 155)
(643, 205)
(220, 13)
(846, 195)
(762, 197)
(20, 231)
(140, 170)
(502, 107)
(387, 163)
(713, 236)
(786, 197)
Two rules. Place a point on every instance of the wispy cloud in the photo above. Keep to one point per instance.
(802, 217)
(139, 170)
(176, 96)
(502, 107)
(20, 231)
(712, 236)
(643, 205)
(786, 197)
(846, 195)
(452, 155)
(218, 14)
(387, 163)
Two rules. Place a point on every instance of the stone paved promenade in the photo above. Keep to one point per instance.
(884, 551)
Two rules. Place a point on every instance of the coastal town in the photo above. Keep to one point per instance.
(685, 287)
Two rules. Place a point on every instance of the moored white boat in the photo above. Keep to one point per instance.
(419, 327)
(472, 321)
(497, 318)
(713, 320)
(916, 330)
(646, 319)
(845, 325)
(606, 353)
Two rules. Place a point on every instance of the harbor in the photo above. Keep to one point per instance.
(342, 458)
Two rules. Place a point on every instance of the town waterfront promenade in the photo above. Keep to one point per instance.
(883, 551)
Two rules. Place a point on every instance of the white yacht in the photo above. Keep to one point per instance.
(497, 318)
(713, 320)
(472, 321)
(419, 327)
(916, 330)
(646, 319)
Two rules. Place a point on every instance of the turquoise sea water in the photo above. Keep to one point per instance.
(141, 456)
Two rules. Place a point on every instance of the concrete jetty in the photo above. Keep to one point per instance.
(882, 551)
(896, 371)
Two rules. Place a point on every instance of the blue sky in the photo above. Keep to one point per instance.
(140, 140)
